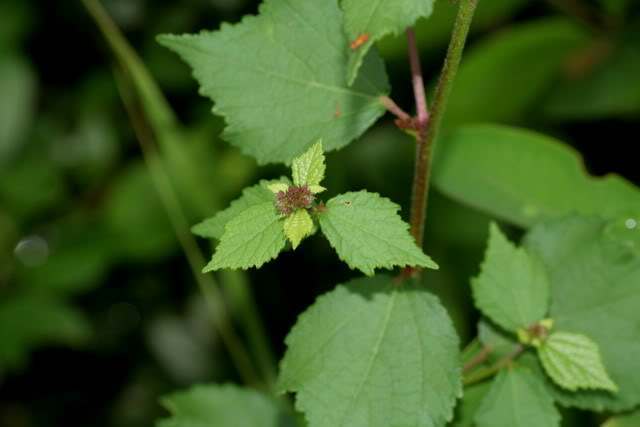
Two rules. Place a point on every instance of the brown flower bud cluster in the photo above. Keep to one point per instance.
(293, 199)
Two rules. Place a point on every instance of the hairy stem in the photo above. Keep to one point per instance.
(429, 126)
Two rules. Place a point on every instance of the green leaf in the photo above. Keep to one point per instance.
(376, 354)
(573, 361)
(258, 194)
(297, 226)
(594, 292)
(610, 89)
(512, 288)
(498, 340)
(18, 88)
(29, 321)
(491, 87)
(223, 405)
(292, 89)
(507, 183)
(250, 239)
(628, 420)
(468, 406)
(517, 398)
(376, 19)
(367, 233)
(308, 169)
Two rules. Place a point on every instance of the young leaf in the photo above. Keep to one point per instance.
(594, 292)
(291, 90)
(507, 183)
(222, 405)
(517, 398)
(213, 227)
(250, 239)
(376, 354)
(367, 233)
(367, 22)
(573, 361)
(308, 169)
(297, 226)
(512, 288)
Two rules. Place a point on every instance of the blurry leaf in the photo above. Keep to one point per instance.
(374, 20)
(223, 405)
(610, 89)
(468, 406)
(252, 238)
(525, 178)
(367, 233)
(434, 33)
(76, 263)
(512, 288)
(136, 218)
(573, 361)
(517, 398)
(594, 292)
(30, 186)
(298, 94)
(15, 21)
(29, 321)
(628, 420)
(500, 342)
(18, 89)
(491, 84)
(376, 354)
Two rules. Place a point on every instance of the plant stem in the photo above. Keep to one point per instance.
(478, 359)
(429, 126)
(209, 288)
(394, 109)
(492, 370)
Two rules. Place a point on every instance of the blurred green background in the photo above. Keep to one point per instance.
(99, 311)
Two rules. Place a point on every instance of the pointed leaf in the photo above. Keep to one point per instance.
(297, 226)
(279, 78)
(594, 292)
(512, 288)
(367, 233)
(308, 169)
(368, 21)
(373, 354)
(222, 405)
(517, 398)
(213, 227)
(573, 361)
(252, 238)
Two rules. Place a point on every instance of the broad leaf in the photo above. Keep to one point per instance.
(517, 398)
(367, 233)
(510, 183)
(255, 195)
(573, 361)
(512, 288)
(468, 406)
(222, 405)
(368, 21)
(594, 292)
(291, 89)
(308, 169)
(250, 239)
(297, 226)
(493, 68)
(376, 354)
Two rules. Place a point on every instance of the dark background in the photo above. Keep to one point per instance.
(133, 326)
